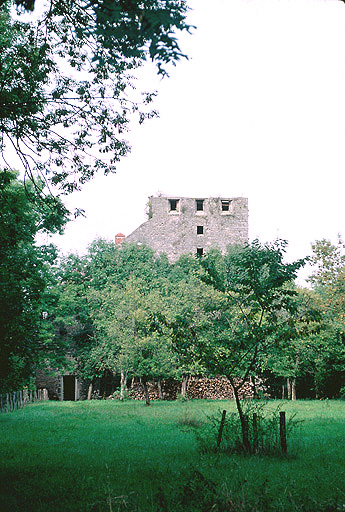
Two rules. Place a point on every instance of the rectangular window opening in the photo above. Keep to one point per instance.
(199, 205)
(174, 205)
(225, 206)
(199, 251)
(200, 230)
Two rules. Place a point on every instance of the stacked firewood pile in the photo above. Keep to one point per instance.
(170, 389)
(218, 388)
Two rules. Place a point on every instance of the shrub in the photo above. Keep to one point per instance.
(187, 419)
(128, 394)
(266, 440)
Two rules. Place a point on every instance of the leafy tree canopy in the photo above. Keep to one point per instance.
(66, 85)
(25, 277)
(328, 280)
(329, 263)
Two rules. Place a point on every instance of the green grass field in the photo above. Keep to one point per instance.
(111, 456)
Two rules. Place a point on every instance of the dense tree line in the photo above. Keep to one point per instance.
(125, 312)
(26, 277)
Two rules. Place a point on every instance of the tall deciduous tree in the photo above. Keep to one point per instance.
(25, 274)
(329, 261)
(134, 340)
(256, 287)
(328, 280)
(191, 305)
(96, 312)
(296, 353)
(67, 93)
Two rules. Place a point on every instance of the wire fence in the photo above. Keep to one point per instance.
(10, 402)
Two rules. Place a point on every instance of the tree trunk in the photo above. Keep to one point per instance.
(254, 387)
(123, 384)
(146, 393)
(98, 386)
(160, 394)
(283, 392)
(184, 386)
(288, 386)
(243, 419)
(89, 391)
(316, 387)
(293, 389)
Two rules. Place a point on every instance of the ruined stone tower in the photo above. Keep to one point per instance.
(182, 225)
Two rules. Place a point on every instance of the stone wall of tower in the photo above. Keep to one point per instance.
(175, 222)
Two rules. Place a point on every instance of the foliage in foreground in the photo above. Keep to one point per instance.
(132, 314)
(25, 278)
(67, 90)
(263, 438)
(124, 312)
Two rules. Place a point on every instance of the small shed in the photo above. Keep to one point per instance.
(60, 386)
(69, 388)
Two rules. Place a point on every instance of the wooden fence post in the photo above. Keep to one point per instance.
(220, 431)
(255, 433)
(245, 434)
(283, 432)
(15, 400)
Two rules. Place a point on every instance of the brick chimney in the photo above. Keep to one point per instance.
(119, 238)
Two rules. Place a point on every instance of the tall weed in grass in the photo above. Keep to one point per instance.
(263, 433)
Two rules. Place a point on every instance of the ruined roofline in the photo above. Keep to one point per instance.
(179, 225)
(176, 196)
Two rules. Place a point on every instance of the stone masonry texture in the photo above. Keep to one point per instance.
(182, 225)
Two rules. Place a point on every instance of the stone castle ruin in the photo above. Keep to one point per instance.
(182, 225)
(176, 226)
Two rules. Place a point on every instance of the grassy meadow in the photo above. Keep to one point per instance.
(110, 456)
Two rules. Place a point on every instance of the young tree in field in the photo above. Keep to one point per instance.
(67, 93)
(296, 352)
(329, 262)
(83, 285)
(189, 315)
(108, 264)
(328, 280)
(70, 315)
(25, 278)
(133, 339)
(256, 287)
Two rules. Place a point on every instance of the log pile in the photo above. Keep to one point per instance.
(217, 388)
(170, 389)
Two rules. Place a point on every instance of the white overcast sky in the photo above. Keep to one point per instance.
(258, 111)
